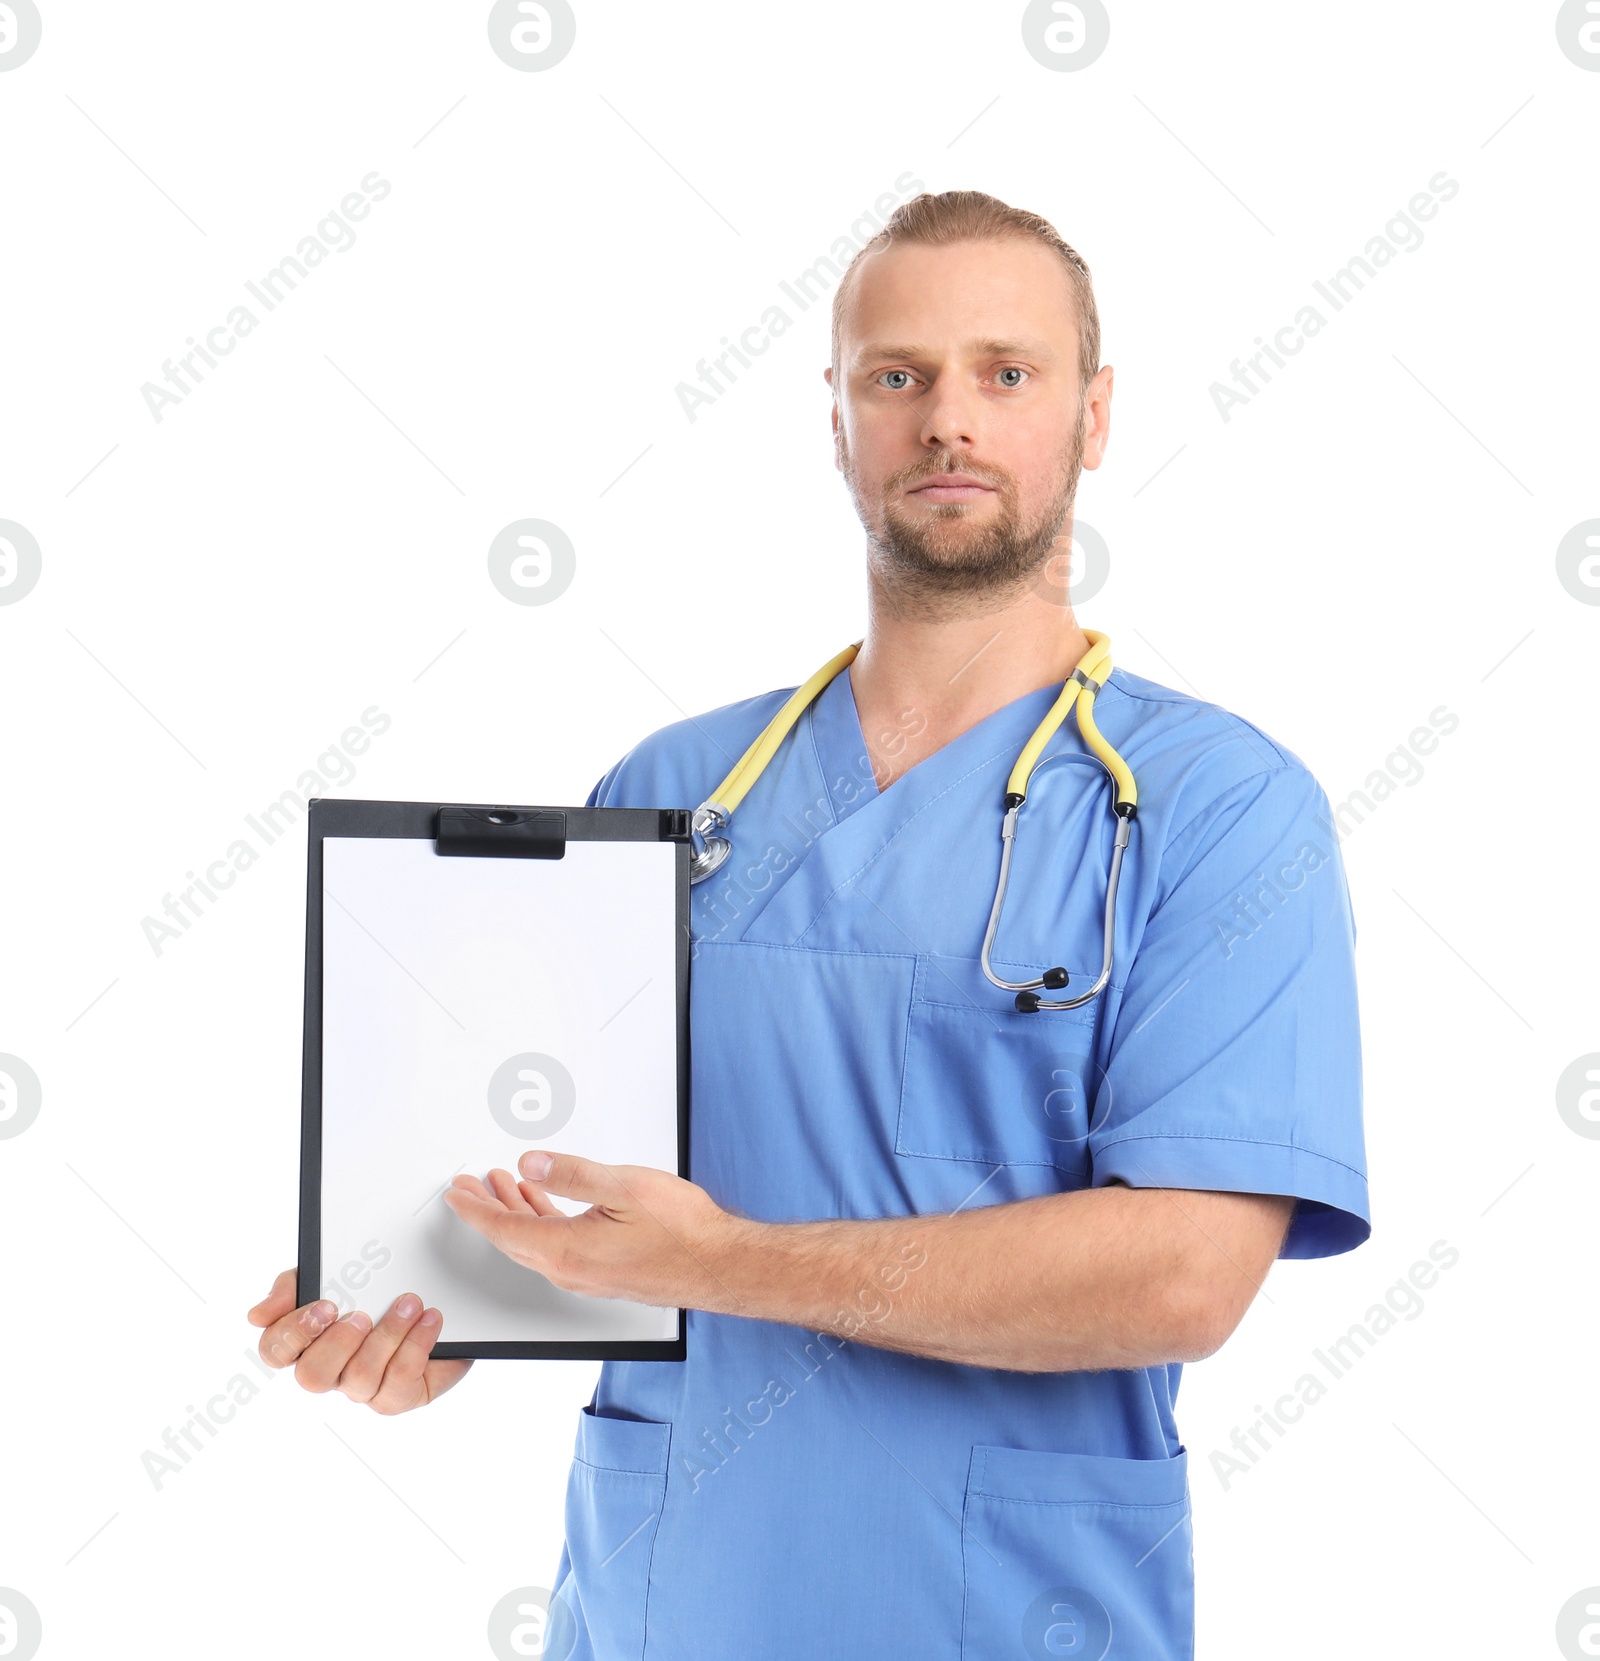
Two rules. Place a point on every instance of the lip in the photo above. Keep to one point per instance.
(951, 487)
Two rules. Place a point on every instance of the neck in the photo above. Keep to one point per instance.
(920, 680)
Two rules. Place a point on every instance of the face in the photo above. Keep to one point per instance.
(957, 416)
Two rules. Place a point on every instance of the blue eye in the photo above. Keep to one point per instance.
(1012, 371)
(905, 373)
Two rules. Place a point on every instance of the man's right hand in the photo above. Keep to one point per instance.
(385, 1366)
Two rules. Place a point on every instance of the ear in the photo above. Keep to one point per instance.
(1098, 433)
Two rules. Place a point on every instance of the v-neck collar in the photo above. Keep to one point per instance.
(833, 726)
(840, 744)
(867, 820)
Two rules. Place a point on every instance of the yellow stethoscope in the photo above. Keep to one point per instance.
(1077, 694)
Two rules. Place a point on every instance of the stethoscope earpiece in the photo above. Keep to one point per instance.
(1028, 1003)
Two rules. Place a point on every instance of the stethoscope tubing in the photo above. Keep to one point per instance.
(1026, 1002)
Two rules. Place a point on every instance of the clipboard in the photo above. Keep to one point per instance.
(479, 980)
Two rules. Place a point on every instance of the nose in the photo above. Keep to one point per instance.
(951, 415)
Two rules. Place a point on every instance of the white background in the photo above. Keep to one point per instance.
(304, 537)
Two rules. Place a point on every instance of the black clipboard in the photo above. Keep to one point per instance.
(402, 857)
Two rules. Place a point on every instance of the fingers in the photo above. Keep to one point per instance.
(487, 1206)
(496, 1222)
(475, 1189)
(539, 1201)
(385, 1367)
(503, 1186)
(406, 1378)
(521, 1196)
(513, 1195)
(326, 1356)
(277, 1303)
(289, 1337)
(578, 1179)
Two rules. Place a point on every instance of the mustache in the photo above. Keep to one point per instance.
(949, 464)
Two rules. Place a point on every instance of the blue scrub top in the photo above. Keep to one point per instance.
(784, 1493)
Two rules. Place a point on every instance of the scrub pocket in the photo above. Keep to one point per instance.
(1086, 1555)
(615, 1492)
(982, 1081)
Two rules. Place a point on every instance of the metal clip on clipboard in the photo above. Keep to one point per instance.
(524, 833)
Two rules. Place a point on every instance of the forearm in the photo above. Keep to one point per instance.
(1097, 1278)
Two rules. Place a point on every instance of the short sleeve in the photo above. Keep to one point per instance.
(1234, 1061)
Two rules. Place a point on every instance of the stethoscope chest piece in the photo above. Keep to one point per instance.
(713, 849)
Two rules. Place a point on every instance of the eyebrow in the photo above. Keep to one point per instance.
(986, 347)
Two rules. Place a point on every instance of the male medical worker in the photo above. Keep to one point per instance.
(944, 1258)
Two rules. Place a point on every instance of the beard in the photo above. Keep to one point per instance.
(928, 557)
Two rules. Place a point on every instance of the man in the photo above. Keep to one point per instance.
(943, 1258)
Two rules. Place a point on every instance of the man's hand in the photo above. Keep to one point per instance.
(386, 1366)
(1084, 1280)
(648, 1236)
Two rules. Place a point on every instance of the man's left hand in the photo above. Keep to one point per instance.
(648, 1236)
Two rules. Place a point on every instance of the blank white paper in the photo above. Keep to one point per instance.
(473, 1008)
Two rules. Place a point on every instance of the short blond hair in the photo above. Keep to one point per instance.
(972, 216)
